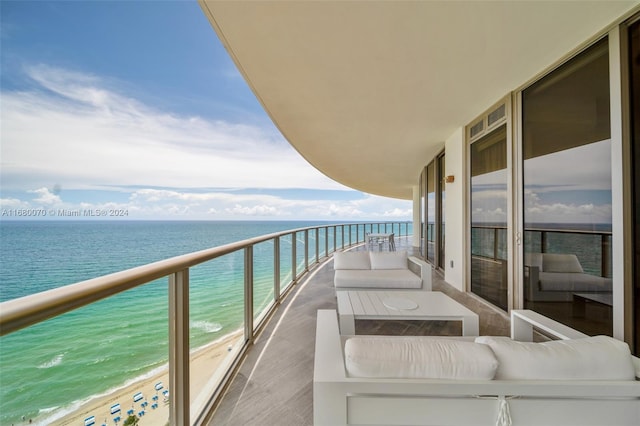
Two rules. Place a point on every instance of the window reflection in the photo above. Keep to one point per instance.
(489, 217)
(567, 193)
(431, 212)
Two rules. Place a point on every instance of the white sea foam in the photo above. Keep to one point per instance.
(206, 326)
(101, 359)
(56, 413)
(56, 360)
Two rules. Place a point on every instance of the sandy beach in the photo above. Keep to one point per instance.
(204, 361)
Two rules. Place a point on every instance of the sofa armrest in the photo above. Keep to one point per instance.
(533, 276)
(422, 269)
(329, 402)
(523, 322)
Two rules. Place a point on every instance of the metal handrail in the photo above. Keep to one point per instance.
(29, 310)
(605, 246)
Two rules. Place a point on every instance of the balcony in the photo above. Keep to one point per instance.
(193, 384)
(274, 385)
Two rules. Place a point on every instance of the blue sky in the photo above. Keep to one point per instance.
(120, 105)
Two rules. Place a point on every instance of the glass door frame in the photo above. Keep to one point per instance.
(631, 172)
(621, 180)
(438, 176)
(514, 291)
(440, 254)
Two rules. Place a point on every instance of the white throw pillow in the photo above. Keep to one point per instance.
(388, 260)
(590, 358)
(351, 260)
(418, 357)
(561, 263)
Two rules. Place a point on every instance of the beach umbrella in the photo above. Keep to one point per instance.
(115, 408)
(90, 421)
(137, 397)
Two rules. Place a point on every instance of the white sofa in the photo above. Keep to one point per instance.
(556, 277)
(398, 380)
(372, 270)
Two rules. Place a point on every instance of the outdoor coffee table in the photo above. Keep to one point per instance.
(402, 305)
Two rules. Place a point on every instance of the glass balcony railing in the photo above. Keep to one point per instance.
(592, 248)
(242, 282)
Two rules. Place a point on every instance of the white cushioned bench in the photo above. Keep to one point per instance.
(393, 380)
(556, 277)
(371, 270)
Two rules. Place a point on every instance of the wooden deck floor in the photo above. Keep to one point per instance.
(274, 386)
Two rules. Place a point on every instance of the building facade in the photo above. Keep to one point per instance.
(534, 203)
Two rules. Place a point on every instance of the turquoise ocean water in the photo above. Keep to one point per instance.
(48, 369)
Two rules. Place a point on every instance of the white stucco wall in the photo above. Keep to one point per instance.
(455, 210)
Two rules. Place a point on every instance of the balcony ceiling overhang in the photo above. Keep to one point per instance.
(367, 92)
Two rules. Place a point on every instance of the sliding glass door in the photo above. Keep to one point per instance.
(634, 92)
(566, 152)
(431, 213)
(441, 209)
(489, 198)
(432, 197)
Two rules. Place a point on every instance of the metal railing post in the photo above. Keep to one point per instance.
(335, 238)
(605, 247)
(326, 241)
(306, 249)
(294, 261)
(179, 405)
(248, 293)
(317, 245)
(276, 269)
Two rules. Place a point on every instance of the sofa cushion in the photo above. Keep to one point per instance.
(561, 263)
(388, 259)
(573, 281)
(380, 278)
(351, 260)
(418, 357)
(591, 358)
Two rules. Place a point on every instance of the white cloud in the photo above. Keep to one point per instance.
(154, 203)
(45, 197)
(579, 168)
(536, 210)
(80, 132)
(76, 131)
(13, 203)
(398, 213)
(258, 210)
